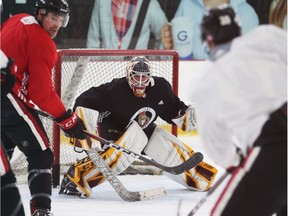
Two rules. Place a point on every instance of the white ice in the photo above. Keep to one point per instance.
(105, 201)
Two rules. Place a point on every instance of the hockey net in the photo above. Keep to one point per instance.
(79, 69)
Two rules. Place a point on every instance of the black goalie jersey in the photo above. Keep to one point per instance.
(117, 106)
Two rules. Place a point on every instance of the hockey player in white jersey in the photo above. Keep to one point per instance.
(140, 97)
(246, 86)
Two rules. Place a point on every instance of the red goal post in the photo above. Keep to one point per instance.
(79, 69)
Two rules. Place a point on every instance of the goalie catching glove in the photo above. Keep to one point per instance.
(186, 119)
(72, 125)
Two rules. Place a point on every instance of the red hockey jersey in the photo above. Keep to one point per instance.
(35, 54)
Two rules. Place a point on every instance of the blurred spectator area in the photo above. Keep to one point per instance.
(169, 7)
(262, 8)
(75, 34)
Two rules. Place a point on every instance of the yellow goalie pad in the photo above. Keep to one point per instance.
(167, 149)
(89, 118)
(85, 173)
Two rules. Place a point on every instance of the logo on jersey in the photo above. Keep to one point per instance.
(25, 143)
(28, 20)
(144, 116)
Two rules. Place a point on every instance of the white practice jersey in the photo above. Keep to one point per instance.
(3, 60)
(238, 93)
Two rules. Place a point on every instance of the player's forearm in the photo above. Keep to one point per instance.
(51, 104)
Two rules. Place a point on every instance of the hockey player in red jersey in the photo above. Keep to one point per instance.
(138, 97)
(28, 40)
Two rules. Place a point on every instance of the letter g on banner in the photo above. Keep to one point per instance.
(182, 35)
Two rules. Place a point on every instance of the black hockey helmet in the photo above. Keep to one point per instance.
(221, 23)
(138, 74)
(59, 7)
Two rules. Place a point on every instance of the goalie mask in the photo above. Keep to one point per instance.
(138, 75)
(59, 7)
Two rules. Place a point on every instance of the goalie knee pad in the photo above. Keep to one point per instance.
(85, 174)
(167, 149)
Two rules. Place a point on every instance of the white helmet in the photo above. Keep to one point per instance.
(138, 75)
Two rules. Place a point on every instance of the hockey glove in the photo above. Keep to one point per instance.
(72, 125)
(186, 119)
(7, 79)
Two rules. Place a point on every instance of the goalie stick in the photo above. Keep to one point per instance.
(193, 161)
(130, 196)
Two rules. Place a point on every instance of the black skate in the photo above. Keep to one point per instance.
(38, 211)
(68, 188)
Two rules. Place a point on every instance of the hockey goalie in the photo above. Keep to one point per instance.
(136, 100)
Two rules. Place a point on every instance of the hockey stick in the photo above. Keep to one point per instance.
(203, 200)
(130, 196)
(126, 195)
(193, 161)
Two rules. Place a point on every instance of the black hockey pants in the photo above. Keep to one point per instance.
(259, 187)
(22, 127)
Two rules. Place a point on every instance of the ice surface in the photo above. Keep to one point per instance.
(105, 201)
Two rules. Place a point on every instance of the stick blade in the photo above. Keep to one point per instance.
(193, 161)
(153, 193)
(133, 196)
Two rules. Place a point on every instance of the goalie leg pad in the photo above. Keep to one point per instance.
(74, 183)
(167, 149)
(85, 175)
(133, 139)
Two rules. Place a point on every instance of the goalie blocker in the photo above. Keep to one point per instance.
(162, 147)
(186, 119)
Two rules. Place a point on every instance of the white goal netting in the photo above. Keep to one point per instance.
(77, 71)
